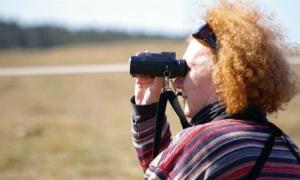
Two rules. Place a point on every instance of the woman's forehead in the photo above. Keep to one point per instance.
(195, 50)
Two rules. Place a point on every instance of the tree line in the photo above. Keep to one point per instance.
(13, 35)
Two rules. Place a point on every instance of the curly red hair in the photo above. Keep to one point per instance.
(251, 65)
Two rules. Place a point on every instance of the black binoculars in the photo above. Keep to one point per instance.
(163, 64)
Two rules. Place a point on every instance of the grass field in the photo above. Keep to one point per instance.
(78, 126)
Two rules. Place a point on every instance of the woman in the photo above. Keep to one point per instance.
(238, 73)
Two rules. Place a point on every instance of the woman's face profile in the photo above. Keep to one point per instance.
(197, 86)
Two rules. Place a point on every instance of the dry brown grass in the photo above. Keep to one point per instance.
(78, 126)
(66, 127)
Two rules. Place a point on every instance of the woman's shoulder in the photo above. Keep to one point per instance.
(220, 134)
(218, 128)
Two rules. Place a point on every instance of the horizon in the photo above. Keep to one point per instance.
(168, 17)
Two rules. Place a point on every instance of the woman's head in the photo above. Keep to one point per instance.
(250, 61)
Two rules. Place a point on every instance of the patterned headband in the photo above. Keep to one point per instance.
(206, 35)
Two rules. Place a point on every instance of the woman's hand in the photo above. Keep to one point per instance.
(147, 90)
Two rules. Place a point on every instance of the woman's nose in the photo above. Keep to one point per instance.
(178, 82)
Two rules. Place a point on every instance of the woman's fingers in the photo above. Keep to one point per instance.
(143, 80)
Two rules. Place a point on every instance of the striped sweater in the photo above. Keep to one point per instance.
(223, 149)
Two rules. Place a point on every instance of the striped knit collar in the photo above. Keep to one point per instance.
(217, 111)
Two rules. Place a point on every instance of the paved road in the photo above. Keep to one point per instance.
(58, 70)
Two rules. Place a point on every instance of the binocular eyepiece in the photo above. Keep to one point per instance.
(163, 64)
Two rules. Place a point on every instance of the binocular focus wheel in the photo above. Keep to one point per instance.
(167, 74)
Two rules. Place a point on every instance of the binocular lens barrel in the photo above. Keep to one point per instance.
(158, 64)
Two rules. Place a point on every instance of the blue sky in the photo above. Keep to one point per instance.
(178, 17)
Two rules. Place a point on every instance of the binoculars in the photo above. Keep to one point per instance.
(163, 64)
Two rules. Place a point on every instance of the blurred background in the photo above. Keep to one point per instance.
(77, 126)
